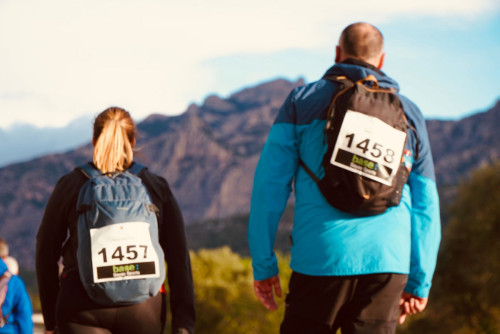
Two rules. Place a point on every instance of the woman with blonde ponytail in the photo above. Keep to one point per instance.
(66, 306)
(113, 140)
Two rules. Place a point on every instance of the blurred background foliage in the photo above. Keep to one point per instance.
(465, 297)
(225, 301)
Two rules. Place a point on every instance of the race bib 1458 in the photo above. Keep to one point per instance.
(123, 251)
(369, 147)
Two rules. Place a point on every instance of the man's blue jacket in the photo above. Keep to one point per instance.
(326, 241)
(16, 306)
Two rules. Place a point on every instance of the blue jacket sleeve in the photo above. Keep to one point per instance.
(425, 216)
(271, 189)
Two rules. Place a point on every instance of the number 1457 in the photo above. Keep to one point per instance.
(131, 252)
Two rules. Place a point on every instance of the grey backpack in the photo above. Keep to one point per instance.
(120, 260)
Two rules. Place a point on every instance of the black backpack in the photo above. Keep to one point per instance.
(366, 134)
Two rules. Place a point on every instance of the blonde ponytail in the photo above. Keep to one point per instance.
(114, 135)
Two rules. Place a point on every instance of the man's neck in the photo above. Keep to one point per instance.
(359, 62)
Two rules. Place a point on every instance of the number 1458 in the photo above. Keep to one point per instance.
(376, 150)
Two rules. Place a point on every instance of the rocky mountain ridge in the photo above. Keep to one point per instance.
(209, 153)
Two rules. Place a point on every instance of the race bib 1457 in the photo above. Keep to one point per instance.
(123, 251)
(369, 147)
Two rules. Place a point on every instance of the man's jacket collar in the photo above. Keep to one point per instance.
(356, 69)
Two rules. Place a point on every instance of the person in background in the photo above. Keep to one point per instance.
(359, 274)
(12, 265)
(66, 307)
(16, 309)
(11, 262)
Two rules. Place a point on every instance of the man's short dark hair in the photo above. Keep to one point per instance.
(362, 40)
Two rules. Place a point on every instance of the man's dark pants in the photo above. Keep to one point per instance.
(355, 304)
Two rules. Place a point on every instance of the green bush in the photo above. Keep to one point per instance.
(225, 301)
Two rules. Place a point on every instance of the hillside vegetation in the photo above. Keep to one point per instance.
(466, 291)
(464, 297)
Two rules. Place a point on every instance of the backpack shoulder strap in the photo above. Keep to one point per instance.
(340, 79)
(135, 168)
(89, 170)
(308, 171)
(417, 140)
(4, 280)
(345, 85)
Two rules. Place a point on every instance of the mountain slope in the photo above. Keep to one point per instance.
(458, 147)
(209, 153)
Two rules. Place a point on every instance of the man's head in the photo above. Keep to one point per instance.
(361, 41)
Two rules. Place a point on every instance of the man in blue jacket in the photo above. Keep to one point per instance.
(16, 307)
(360, 274)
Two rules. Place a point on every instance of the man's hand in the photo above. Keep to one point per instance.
(410, 304)
(264, 291)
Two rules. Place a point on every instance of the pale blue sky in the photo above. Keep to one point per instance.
(450, 70)
(60, 60)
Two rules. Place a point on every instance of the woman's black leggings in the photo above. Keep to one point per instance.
(78, 314)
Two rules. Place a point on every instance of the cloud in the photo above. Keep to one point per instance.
(62, 59)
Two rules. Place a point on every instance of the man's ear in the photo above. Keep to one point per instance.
(381, 61)
(338, 54)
